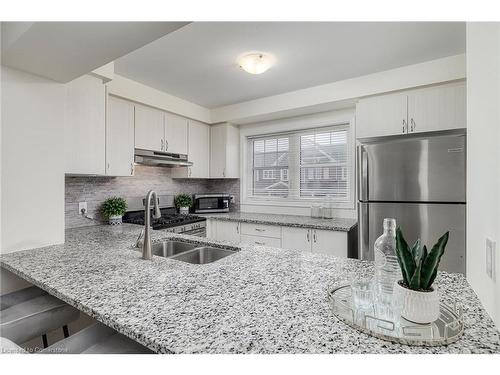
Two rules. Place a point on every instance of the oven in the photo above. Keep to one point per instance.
(207, 203)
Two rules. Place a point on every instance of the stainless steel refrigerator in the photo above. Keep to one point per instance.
(421, 183)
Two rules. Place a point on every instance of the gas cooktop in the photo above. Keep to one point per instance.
(169, 219)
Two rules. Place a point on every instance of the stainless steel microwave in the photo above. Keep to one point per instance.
(207, 203)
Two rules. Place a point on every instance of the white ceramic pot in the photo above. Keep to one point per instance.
(417, 307)
(115, 220)
(184, 210)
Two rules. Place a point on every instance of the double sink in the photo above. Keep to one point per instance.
(189, 252)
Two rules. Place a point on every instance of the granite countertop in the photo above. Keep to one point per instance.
(259, 300)
(337, 223)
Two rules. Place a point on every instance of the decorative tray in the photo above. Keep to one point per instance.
(445, 330)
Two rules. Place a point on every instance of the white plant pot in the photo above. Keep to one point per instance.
(184, 210)
(115, 220)
(417, 307)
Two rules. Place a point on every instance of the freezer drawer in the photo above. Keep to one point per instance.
(413, 170)
(426, 221)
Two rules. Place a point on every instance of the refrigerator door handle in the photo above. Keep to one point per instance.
(363, 230)
(362, 173)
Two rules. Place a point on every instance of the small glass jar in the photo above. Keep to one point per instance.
(316, 211)
(362, 293)
(328, 208)
(328, 212)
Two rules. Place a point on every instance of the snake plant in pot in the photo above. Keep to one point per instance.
(418, 299)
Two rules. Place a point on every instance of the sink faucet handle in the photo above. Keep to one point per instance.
(139, 241)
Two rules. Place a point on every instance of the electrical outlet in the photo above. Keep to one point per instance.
(82, 208)
(491, 258)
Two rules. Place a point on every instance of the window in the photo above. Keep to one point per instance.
(323, 156)
(302, 165)
(270, 158)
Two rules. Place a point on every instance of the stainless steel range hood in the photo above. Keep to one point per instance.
(161, 159)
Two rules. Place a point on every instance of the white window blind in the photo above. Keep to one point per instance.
(309, 164)
(269, 160)
(323, 163)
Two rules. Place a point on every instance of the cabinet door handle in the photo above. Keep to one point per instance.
(224, 172)
(259, 243)
(314, 236)
(308, 236)
(166, 145)
(413, 125)
(162, 144)
(238, 228)
(404, 126)
(259, 230)
(131, 168)
(190, 172)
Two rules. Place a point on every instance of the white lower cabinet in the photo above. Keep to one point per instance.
(329, 242)
(296, 238)
(263, 241)
(227, 231)
(261, 230)
(311, 240)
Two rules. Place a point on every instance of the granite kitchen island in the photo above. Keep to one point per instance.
(259, 300)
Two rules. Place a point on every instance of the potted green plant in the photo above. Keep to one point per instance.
(183, 202)
(418, 299)
(113, 209)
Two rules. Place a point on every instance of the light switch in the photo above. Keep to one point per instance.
(491, 258)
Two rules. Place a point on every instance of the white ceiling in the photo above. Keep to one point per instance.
(63, 51)
(198, 61)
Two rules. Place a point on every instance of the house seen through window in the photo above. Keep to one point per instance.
(300, 165)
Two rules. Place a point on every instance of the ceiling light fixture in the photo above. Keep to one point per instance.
(255, 62)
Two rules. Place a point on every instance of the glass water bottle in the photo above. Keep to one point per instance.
(387, 269)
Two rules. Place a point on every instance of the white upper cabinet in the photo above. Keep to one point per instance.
(119, 137)
(437, 108)
(176, 134)
(198, 152)
(149, 128)
(381, 115)
(199, 149)
(224, 151)
(423, 110)
(85, 126)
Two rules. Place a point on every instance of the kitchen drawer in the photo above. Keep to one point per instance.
(264, 241)
(261, 230)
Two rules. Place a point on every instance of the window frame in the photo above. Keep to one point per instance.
(342, 119)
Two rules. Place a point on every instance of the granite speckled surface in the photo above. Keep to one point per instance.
(338, 224)
(259, 300)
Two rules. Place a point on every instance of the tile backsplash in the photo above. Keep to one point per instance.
(94, 190)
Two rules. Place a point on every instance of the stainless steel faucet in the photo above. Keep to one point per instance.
(146, 246)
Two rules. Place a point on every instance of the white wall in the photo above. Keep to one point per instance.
(32, 166)
(135, 91)
(483, 159)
